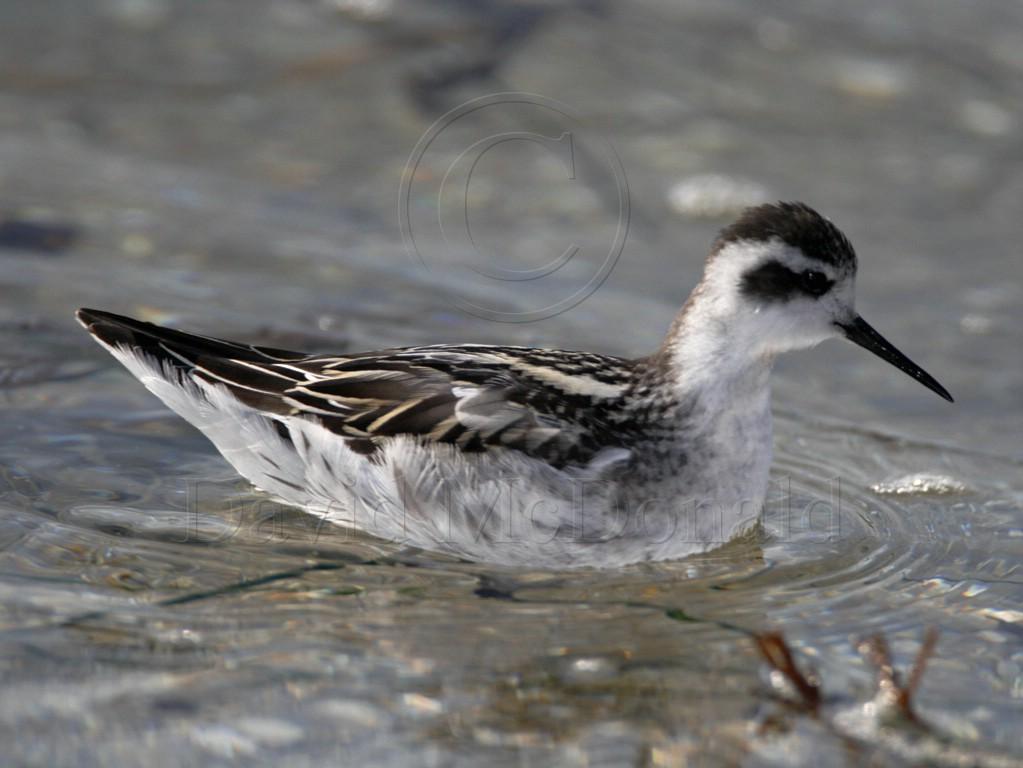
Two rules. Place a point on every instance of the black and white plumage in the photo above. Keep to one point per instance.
(520, 455)
(557, 407)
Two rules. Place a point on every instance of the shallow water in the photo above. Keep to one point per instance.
(155, 608)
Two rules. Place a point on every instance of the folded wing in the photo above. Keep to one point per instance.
(553, 406)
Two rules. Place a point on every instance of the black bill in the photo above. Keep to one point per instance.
(860, 332)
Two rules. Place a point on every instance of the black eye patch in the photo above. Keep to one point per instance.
(774, 281)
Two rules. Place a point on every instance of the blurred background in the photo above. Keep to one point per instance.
(237, 169)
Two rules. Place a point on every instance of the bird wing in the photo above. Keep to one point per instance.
(551, 405)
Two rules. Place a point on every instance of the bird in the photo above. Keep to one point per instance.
(523, 456)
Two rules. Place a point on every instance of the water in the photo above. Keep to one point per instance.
(246, 184)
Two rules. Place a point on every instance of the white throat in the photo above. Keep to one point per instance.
(726, 338)
(715, 341)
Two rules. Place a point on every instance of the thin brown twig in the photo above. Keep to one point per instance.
(892, 693)
(922, 657)
(776, 653)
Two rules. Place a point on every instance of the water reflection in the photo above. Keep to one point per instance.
(232, 186)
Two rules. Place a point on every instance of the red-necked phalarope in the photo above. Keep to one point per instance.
(531, 456)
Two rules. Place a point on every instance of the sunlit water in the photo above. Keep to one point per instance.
(154, 605)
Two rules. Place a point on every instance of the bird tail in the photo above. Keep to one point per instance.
(241, 368)
(220, 387)
(177, 348)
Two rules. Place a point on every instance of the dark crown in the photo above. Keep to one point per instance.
(795, 224)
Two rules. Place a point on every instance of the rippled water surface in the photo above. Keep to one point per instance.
(234, 169)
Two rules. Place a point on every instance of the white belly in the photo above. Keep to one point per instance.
(503, 507)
